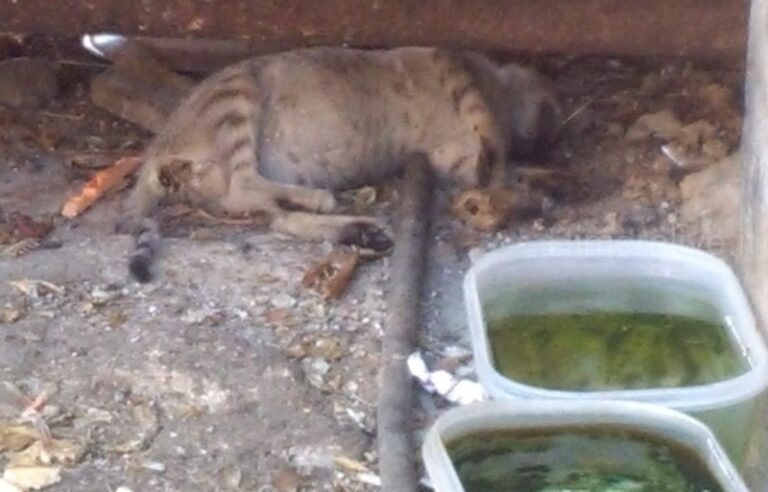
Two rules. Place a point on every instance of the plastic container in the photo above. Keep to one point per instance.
(592, 276)
(654, 420)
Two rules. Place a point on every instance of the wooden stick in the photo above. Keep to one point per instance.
(100, 183)
(396, 450)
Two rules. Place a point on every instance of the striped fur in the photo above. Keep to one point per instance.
(278, 133)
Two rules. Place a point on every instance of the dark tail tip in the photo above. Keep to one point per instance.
(139, 268)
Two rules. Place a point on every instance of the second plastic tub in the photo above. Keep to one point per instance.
(651, 420)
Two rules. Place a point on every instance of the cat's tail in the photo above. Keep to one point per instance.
(147, 246)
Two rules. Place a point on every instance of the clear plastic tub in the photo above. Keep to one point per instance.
(654, 420)
(594, 276)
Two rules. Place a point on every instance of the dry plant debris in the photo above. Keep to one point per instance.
(99, 184)
(365, 198)
(691, 147)
(36, 288)
(148, 426)
(29, 478)
(35, 457)
(20, 234)
(287, 480)
(331, 275)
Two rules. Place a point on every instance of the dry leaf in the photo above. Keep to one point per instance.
(35, 288)
(149, 426)
(329, 348)
(717, 96)
(16, 437)
(28, 228)
(66, 452)
(365, 198)
(12, 313)
(61, 451)
(20, 226)
(32, 477)
(280, 316)
(349, 464)
(662, 124)
(330, 275)
(19, 248)
(297, 351)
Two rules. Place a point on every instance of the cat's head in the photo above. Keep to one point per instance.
(534, 115)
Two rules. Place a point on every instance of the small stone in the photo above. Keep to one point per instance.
(329, 348)
(154, 466)
(457, 351)
(286, 480)
(672, 219)
(100, 297)
(283, 301)
(231, 477)
(475, 254)
(319, 366)
(350, 388)
(314, 370)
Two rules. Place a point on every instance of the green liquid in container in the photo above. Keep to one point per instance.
(606, 350)
(577, 459)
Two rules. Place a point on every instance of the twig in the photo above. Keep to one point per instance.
(99, 184)
(50, 114)
(33, 414)
(396, 460)
(37, 404)
(578, 110)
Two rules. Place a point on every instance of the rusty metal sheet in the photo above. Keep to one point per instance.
(710, 28)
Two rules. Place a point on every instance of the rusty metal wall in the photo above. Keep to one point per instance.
(708, 28)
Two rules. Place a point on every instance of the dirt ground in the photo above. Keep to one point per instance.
(225, 373)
